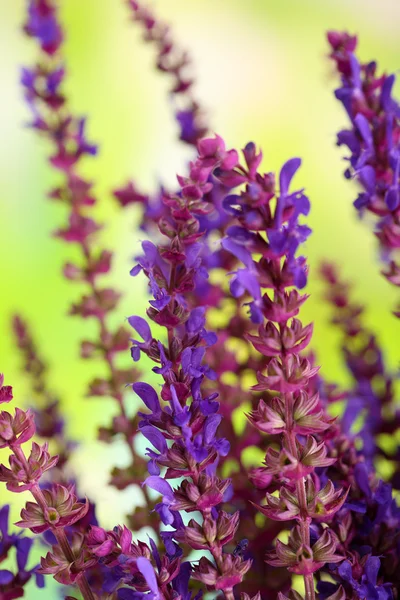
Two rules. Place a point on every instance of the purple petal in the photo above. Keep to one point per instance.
(23, 547)
(141, 326)
(210, 338)
(355, 71)
(236, 287)
(277, 240)
(4, 513)
(181, 582)
(239, 251)
(361, 475)
(161, 486)
(148, 395)
(362, 201)
(135, 353)
(349, 139)
(155, 437)
(300, 277)
(196, 320)
(386, 100)
(392, 199)
(256, 315)
(39, 580)
(6, 577)
(222, 446)
(368, 178)
(364, 128)
(183, 417)
(345, 572)
(192, 253)
(133, 272)
(287, 173)
(210, 428)
(150, 251)
(371, 569)
(249, 282)
(166, 515)
(186, 359)
(153, 468)
(147, 570)
(155, 552)
(176, 405)
(302, 204)
(208, 407)
(197, 356)
(240, 235)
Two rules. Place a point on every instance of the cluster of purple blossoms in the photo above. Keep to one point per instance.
(12, 584)
(373, 141)
(53, 119)
(315, 519)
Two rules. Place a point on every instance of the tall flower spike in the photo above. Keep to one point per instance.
(373, 142)
(366, 530)
(185, 415)
(373, 391)
(279, 267)
(66, 133)
(98, 562)
(55, 508)
(204, 295)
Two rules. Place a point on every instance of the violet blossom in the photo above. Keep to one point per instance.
(12, 584)
(373, 142)
(66, 132)
(373, 390)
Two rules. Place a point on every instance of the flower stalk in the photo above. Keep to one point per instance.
(373, 142)
(45, 514)
(66, 134)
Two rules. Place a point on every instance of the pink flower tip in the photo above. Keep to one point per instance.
(6, 394)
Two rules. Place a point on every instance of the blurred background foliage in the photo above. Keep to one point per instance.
(262, 75)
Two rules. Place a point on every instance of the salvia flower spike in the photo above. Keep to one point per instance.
(372, 394)
(66, 133)
(373, 142)
(288, 372)
(53, 509)
(97, 562)
(184, 415)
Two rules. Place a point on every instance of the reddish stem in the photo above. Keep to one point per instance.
(59, 533)
(305, 520)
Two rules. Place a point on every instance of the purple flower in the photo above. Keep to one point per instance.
(373, 141)
(9, 581)
(42, 24)
(147, 570)
(366, 586)
(148, 395)
(143, 329)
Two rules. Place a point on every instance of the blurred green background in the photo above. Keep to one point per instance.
(262, 74)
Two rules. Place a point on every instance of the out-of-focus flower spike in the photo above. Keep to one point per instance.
(54, 119)
(372, 140)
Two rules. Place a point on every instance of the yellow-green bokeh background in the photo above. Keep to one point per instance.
(263, 76)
